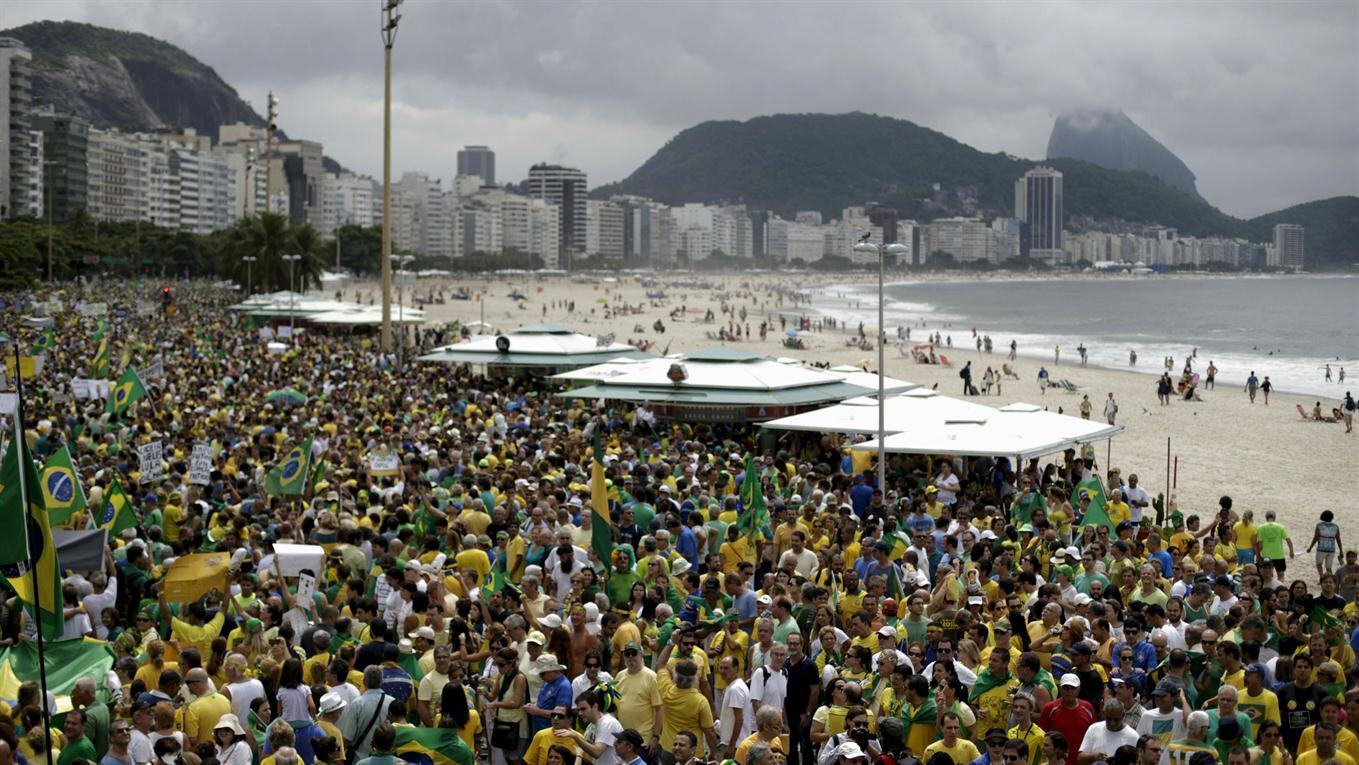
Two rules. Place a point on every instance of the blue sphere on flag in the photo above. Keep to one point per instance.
(293, 464)
(109, 512)
(35, 551)
(60, 486)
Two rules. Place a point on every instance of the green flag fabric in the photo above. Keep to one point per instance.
(62, 493)
(116, 514)
(67, 662)
(99, 366)
(46, 342)
(756, 515)
(128, 390)
(25, 535)
(601, 526)
(1097, 514)
(436, 746)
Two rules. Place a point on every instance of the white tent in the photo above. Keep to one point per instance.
(1021, 430)
(913, 408)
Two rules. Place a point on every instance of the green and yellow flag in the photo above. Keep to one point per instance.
(290, 475)
(62, 493)
(116, 514)
(25, 536)
(755, 517)
(101, 328)
(128, 390)
(47, 342)
(601, 524)
(432, 746)
(99, 368)
(1097, 514)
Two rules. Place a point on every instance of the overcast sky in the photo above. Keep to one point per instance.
(1260, 99)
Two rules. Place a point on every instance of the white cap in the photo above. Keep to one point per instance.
(888, 630)
(551, 621)
(1070, 680)
(851, 751)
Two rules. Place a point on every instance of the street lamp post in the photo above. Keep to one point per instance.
(881, 251)
(390, 18)
(49, 163)
(269, 127)
(292, 294)
(249, 285)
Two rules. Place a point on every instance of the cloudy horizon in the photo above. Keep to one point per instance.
(1259, 100)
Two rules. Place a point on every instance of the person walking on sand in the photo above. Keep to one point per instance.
(1132, 357)
(1043, 380)
(1083, 351)
(966, 374)
(1014, 350)
(1110, 408)
(1057, 356)
(1086, 406)
(1347, 408)
(1252, 383)
(1265, 388)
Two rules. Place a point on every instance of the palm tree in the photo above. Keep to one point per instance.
(268, 238)
(308, 243)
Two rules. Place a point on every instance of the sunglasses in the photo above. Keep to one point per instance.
(559, 716)
(1012, 758)
(591, 666)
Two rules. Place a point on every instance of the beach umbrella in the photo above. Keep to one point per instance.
(792, 333)
(287, 396)
(602, 301)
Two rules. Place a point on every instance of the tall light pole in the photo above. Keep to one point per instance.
(390, 18)
(881, 251)
(269, 153)
(292, 294)
(249, 285)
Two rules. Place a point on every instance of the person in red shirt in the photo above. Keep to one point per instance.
(1069, 714)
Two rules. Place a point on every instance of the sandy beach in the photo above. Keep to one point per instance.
(1264, 457)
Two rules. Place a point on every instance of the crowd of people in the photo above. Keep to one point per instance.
(970, 612)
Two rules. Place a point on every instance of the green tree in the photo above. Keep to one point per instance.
(268, 238)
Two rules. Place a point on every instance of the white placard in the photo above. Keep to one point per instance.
(93, 309)
(285, 331)
(306, 587)
(200, 465)
(292, 559)
(386, 462)
(150, 456)
(83, 388)
(9, 402)
(266, 333)
(155, 371)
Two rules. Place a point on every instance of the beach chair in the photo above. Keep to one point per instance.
(1069, 387)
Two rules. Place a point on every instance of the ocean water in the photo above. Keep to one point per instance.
(1284, 327)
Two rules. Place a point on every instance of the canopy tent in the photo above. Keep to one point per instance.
(722, 384)
(366, 315)
(1022, 430)
(535, 345)
(860, 414)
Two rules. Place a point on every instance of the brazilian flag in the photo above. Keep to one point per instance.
(1097, 514)
(25, 536)
(128, 390)
(116, 514)
(101, 328)
(432, 746)
(290, 475)
(601, 522)
(47, 342)
(61, 490)
(99, 368)
(755, 519)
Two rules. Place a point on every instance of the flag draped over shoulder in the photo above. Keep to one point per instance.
(62, 493)
(25, 535)
(1097, 514)
(601, 525)
(432, 746)
(126, 391)
(756, 516)
(116, 514)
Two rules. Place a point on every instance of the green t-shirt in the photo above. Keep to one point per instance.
(77, 750)
(1271, 536)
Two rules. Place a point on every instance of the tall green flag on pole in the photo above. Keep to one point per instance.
(292, 471)
(756, 516)
(116, 514)
(601, 525)
(1097, 514)
(26, 538)
(99, 367)
(60, 487)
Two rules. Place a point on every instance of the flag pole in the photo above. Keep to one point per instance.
(32, 565)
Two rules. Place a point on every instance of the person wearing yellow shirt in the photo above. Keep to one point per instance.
(321, 659)
(1345, 741)
(1258, 702)
(639, 696)
(733, 642)
(173, 520)
(684, 707)
(149, 673)
(737, 549)
(958, 749)
(473, 557)
(195, 630)
(1327, 748)
(563, 718)
(1118, 510)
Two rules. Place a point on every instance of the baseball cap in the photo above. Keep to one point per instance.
(1166, 688)
(1070, 680)
(632, 736)
(851, 751)
(888, 630)
(632, 645)
(889, 606)
(1079, 647)
(996, 734)
(1081, 599)
(1228, 728)
(1258, 669)
(535, 637)
(976, 600)
(426, 632)
(764, 600)
(1223, 581)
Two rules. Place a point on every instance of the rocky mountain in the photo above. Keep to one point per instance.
(1109, 138)
(127, 80)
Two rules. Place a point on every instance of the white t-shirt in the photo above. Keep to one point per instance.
(98, 603)
(605, 732)
(1098, 738)
(736, 696)
(1166, 727)
(76, 627)
(767, 687)
(948, 488)
(1135, 494)
(242, 694)
(806, 563)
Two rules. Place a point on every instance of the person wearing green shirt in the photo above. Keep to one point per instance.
(1270, 538)
(621, 579)
(77, 745)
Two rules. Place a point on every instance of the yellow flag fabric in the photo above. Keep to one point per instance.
(193, 576)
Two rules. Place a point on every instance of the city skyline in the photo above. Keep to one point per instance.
(1214, 84)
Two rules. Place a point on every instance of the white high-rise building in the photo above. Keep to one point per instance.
(567, 188)
(349, 201)
(545, 233)
(604, 228)
(20, 159)
(424, 217)
(204, 189)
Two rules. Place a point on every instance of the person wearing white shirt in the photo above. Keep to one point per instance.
(769, 684)
(241, 688)
(947, 483)
(1104, 738)
(733, 723)
(804, 561)
(1137, 498)
(564, 560)
(103, 598)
